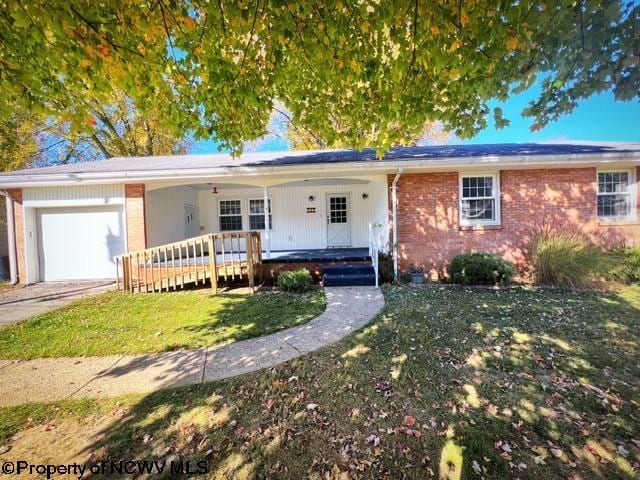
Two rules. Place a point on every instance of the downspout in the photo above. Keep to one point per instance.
(394, 210)
(11, 238)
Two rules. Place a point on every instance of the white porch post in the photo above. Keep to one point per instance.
(267, 233)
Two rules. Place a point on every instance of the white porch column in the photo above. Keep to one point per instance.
(267, 233)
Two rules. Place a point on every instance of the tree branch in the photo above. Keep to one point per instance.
(101, 146)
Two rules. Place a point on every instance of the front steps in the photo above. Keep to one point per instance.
(348, 275)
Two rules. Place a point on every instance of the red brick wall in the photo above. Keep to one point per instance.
(18, 218)
(429, 233)
(136, 218)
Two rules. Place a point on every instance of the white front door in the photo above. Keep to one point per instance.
(191, 221)
(338, 220)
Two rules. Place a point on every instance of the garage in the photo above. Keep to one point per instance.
(78, 243)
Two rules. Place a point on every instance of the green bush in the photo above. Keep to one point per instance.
(295, 281)
(480, 269)
(623, 266)
(565, 259)
(385, 267)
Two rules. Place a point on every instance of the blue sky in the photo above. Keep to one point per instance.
(598, 118)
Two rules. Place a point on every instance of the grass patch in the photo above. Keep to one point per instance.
(118, 322)
(449, 382)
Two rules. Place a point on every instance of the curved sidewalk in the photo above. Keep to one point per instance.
(51, 379)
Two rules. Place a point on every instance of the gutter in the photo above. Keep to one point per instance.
(394, 208)
(11, 238)
(35, 178)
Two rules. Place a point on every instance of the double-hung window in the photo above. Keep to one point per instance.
(256, 214)
(616, 192)
(479, 199)
(230, 215)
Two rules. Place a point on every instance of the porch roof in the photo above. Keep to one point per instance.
(140, 169)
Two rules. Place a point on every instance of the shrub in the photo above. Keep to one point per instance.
(385, 267)
(295, 280)
(480, 269)
(623, 265)
(565, 259)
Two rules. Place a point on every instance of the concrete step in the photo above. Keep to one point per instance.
(348, 280)
(349, 274)
(364, 268)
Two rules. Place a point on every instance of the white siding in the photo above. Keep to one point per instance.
(73, 196)
(165, 213)
(293, 227)
(4, 247)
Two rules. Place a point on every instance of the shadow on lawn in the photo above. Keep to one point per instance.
(243, 316)
(448, 381)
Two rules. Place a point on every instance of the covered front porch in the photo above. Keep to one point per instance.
(256, 227)
(304, 215)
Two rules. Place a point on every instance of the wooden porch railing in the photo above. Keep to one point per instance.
(215, 256)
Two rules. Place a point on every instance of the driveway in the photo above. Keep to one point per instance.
(19, 303)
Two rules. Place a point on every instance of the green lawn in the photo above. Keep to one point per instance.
(449, 382)
(117, 322)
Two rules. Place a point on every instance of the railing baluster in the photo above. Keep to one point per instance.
(173, 268)
(152, 271)
(165, 268)
(181, 267)
(249, 262)
(138, 276)
(213, 268)
(224, 256)
(204, 268)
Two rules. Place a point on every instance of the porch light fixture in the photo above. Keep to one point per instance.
(311, 198)
(214, 190)
(365, 196)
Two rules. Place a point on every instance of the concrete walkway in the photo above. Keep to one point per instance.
(20, 303)
(51, 379)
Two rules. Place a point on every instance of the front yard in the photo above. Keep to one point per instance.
(449, 382)
(117, 322)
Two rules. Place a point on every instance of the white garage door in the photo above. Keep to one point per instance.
(79, 243)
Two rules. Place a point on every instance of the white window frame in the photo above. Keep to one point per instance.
(633, 194)
(496, 197)
(249, 214)
(220, 214)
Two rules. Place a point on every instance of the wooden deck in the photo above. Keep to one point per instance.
(214, 257)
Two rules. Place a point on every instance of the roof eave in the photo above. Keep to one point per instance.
(385, 166)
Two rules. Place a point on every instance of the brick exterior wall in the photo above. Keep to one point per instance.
(18, 218)
(136, 216)
(429, 232)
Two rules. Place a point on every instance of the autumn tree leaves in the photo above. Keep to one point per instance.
(367, 73)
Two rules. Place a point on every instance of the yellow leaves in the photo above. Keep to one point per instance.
(435, 30)
(455, 45)
(454, 74)
(464, 19)
(85, 63)
(512, 43)
(355, 66)
(365, 27)
(451, 461)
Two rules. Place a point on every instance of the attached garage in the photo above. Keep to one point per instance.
(79, 243)
(72, 233)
